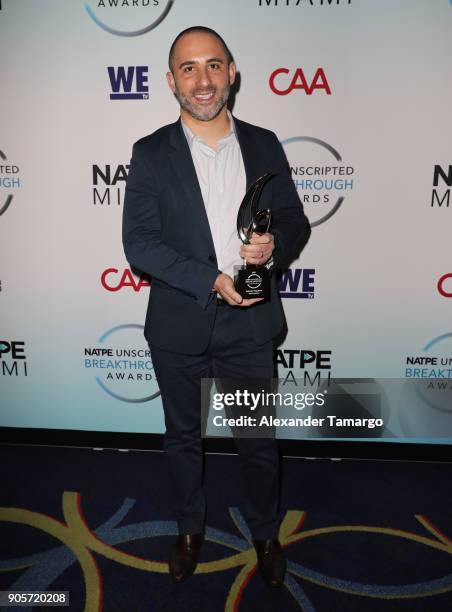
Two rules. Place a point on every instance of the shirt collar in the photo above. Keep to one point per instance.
(192, 138)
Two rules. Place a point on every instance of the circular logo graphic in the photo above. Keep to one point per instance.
(254, 281)
(437, 394)
(122, 364)
(429, 384)
(323, 183)
(9, 181)
(131, 14)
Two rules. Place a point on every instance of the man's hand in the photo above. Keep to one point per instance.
(260, 250)
(224, 285)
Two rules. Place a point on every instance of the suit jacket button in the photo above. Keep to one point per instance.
(211, 258)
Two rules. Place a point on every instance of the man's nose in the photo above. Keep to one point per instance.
(204, 77)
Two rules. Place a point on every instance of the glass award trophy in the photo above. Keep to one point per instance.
(250, 280)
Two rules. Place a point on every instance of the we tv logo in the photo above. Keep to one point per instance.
(128, 83)
(297, 283)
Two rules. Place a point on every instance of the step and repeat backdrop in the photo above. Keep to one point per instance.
(358, 92)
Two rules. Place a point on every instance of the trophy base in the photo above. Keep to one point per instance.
(253, 282)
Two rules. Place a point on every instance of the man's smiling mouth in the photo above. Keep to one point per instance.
(205, 97)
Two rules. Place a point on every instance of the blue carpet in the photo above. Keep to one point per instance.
(359, 536)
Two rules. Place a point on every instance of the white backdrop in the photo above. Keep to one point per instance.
(380, 114)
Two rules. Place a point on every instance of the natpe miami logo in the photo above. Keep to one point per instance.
(128, 17)
(13, 360)
(128, 83)
(9, 182)
(108, 184)
(310, 366)
(323, 183)
(442, 182)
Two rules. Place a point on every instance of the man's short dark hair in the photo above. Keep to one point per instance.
(205, 30)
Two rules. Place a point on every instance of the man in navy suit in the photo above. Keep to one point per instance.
(185, 184)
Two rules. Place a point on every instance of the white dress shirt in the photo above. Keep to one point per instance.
(221, 176)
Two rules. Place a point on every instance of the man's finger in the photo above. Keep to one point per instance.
(261, 257)
(232, 297)
(251, 301)
(235, 299)
(261, 238)
(254, 248)
(257, 248)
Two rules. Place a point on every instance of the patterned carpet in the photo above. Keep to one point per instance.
(359, 536)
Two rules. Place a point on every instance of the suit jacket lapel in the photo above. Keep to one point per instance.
(249, 153)
(184, 169)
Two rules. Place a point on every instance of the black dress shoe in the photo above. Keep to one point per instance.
(184, 556)
(270, 561)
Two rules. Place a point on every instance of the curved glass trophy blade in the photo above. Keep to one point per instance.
(244, 232)
(260, 184)
(250, 203)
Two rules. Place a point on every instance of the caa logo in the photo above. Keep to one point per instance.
(283, 86)
(297, 283)
(128, 84)
(441, 285)
(114, 280)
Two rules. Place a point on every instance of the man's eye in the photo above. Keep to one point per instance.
(215, 66)
(188, 68)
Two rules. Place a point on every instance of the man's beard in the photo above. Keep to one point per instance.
(198, 112)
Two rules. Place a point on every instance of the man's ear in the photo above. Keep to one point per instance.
(232, 72)
(171, 82)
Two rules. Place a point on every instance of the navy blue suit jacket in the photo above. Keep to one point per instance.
(166, 234)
